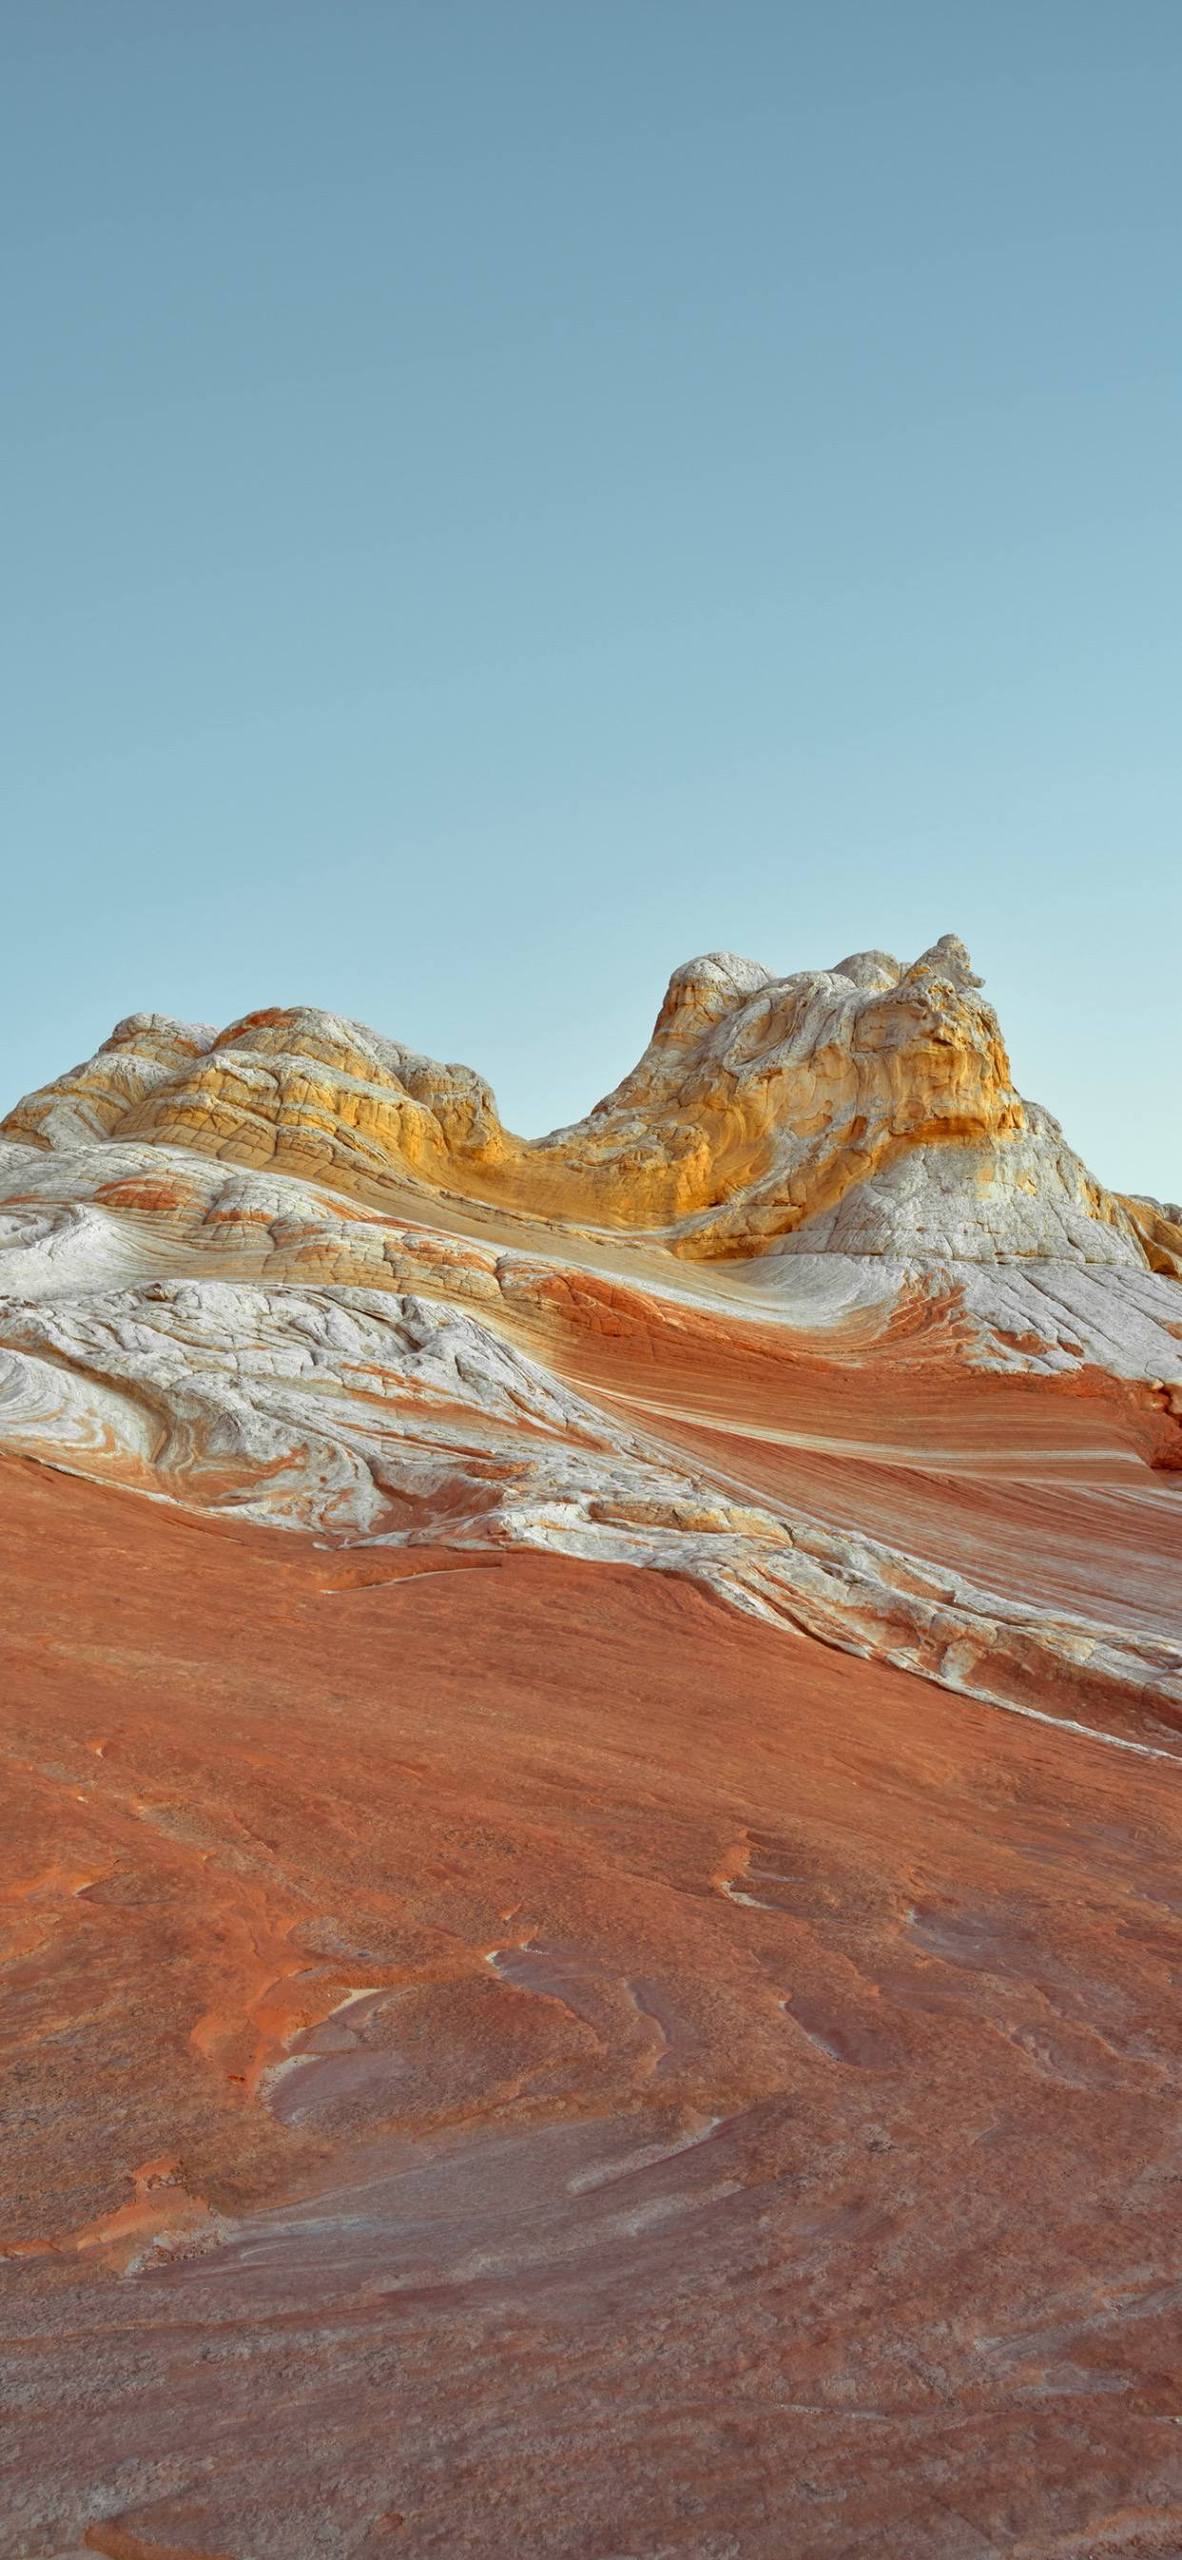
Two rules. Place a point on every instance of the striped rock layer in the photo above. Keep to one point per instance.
(593, 1728)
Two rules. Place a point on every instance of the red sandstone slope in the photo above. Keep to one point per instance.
(737, 2109)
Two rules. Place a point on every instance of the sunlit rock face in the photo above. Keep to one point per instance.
(593, 1725)
(867, 1107)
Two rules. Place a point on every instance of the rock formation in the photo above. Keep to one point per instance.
(866, 1109)
(631, 1738)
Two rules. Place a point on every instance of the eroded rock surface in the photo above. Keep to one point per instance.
(867, 1108)
(590, 1904)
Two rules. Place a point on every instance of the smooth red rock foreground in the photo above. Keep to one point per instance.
(507, 2055)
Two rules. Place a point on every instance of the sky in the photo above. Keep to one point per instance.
(502, 495)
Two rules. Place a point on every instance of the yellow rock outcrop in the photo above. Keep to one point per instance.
(868, 1108)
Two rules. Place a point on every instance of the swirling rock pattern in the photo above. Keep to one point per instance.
(592, 1729)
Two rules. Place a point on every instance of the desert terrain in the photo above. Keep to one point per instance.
(590, 1731)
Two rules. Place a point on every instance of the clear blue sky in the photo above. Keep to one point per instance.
(504, 494)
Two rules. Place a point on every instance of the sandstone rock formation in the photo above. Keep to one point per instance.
(632, 1737)
(867, 1109)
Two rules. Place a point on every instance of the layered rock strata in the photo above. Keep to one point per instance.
(591, 1726)
(216, 1293)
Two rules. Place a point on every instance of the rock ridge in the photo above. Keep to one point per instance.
(866, 1109)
